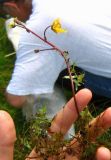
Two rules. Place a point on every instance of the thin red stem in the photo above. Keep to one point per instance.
(62, 53)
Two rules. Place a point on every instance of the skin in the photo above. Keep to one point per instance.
(70, 115)
(7, 136)
(20, 9)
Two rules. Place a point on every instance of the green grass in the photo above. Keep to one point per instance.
(6, 68)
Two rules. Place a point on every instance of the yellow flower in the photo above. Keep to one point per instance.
(56, 26)
(12, 24)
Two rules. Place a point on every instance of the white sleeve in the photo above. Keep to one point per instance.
(13, 33)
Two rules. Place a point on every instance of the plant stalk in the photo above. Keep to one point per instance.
(61, 53)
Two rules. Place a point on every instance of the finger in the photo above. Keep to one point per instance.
(33, 155)
(105, 120)
(7, 136)
(103, 154)
(67, 115)
(100, 124)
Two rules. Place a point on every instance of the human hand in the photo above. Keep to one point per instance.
(8, 135)
(68, 115)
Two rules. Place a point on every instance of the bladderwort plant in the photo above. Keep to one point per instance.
(83, 145)
(56, 27)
